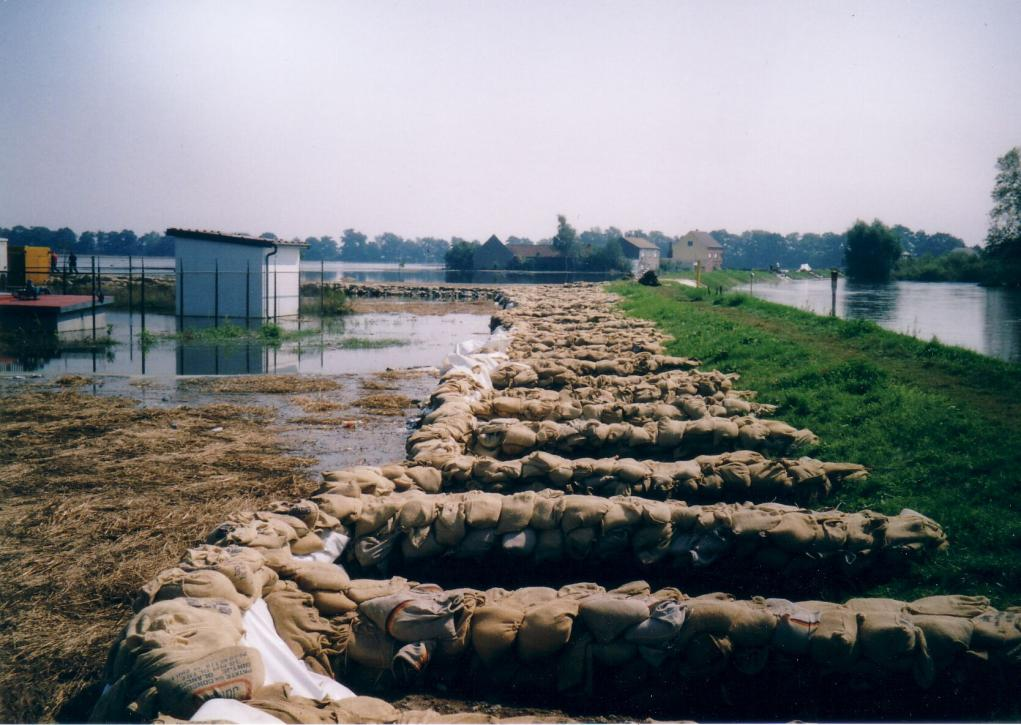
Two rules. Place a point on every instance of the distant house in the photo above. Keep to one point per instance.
(494, 254)
(697, 246)
(643, 254)
(539, 257)
(234, 275)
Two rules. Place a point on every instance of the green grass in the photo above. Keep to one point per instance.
(227, 333)
(937, 425)
(734, 278)
(332, 302)
(365, 343)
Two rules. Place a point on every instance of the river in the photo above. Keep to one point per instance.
(987, 320)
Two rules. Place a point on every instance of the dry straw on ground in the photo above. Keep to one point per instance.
(98, 494)
(316, 404)
(270, 384)
(384, 404)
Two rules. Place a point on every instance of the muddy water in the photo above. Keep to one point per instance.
(357, 343)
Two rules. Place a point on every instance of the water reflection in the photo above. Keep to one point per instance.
(876, 302)
(382, 340)
(981, 319)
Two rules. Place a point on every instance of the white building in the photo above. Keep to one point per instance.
(235, 276)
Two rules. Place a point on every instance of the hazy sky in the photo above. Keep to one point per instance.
(471, 118)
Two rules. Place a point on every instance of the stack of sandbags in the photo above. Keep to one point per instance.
(736, 476)
(545, 404)
(573, 634)
(675, 439)
(290, 528)
(549, 526)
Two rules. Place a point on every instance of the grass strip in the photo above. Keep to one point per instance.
(935, 424)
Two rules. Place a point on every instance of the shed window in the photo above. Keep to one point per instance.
(691, 242)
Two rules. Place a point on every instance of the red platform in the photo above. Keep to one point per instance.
(51, 303)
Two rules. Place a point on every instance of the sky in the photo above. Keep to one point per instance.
(471, 118)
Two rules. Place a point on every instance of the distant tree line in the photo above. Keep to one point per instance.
(758, 249)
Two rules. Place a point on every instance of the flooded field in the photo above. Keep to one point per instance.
(361, 342)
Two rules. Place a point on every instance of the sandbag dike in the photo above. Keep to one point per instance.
(264, 618)
(590, 535)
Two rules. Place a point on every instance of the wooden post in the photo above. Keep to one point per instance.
(180, 291)
(834, 274)
(216, 292)
(322, 287)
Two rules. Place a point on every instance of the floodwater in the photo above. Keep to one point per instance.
(404, 340)
(987, 320)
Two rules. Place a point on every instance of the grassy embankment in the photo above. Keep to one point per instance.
(737, 278)
(936, 425)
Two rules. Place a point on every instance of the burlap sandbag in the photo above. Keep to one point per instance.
(233, 673)
(426, 478)
(369, 646)
(607, 616)
(946, 636)
(548, 510)
(582, 511)
(333, 604)
(494, 629)
(482, 510)
(345, 508)
(835, 639)
(623, 511)
(546, 629)
(997, 631)
(951, 605)
(449, 526)
(516, 512)
(245, 567)
(320, 575)
(201, 583)
(361, 590)
(416, 512)
(887, 637)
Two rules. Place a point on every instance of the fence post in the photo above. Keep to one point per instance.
(180, 288)
(248, 293)
(276, 291)
(94, 291)
(216, 292)
(131, 296)
(322, 287)
(141, 296)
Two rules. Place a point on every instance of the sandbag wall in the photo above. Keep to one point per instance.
(622, 533)
(278, 603)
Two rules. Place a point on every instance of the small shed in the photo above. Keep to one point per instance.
(494, 254)
(235, 276)
(643, 254)
(698, 246)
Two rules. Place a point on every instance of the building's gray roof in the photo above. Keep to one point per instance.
(207, 235)
(640, 242)
(704, 238)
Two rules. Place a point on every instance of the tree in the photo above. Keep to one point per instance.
(461, 255)
(566, 240)
(871, 251)
(1004, 238)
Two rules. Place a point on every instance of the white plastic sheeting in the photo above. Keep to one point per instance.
(281, 664)
(222, 710)
(334, 543)
(479, 358)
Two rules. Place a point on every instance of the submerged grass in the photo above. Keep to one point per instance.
(935, 424)
(268, 384)
(99, 495)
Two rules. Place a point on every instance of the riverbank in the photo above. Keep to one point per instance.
(733, 278)
(934, 423)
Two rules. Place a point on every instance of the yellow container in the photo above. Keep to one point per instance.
(37, 264)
